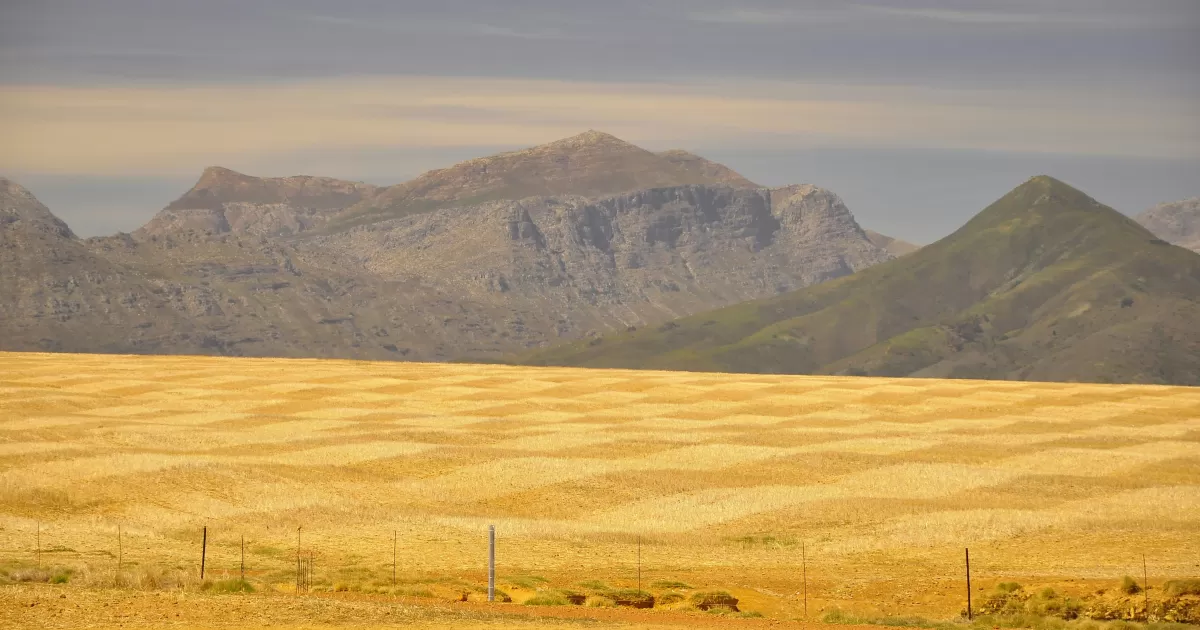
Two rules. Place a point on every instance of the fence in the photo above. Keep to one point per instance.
(305, 572)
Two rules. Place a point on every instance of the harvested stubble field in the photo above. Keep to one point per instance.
(723, 477)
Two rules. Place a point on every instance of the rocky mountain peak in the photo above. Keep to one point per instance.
(591, 137)
(225, 200)
(20, 209)
(221, 177)
(1176, 222)
(590, 164)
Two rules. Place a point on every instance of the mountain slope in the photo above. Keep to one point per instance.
(1044, 284)
(590, 164)
(893, 246)
(1177, 222)
(705, 171)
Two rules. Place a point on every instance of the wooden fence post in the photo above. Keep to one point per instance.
(804, 576)
(203, 550)
(970, 616)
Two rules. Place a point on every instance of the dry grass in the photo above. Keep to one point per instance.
(723, 476)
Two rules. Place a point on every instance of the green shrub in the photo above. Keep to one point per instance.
(1008, 587)
(1129, 586)
(595, 585)
(547, 599)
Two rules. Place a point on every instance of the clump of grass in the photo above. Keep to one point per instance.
(29, 575)
(1129, 586)
(1177, 588)
(499, 595)
(229, 586)
(1008, 587)
(412, 592)
(631, 597)
(526, 581)
(709, 600)
(599, 601)
(671, 584)
(670, 597)
(595, 585)
(547, 599)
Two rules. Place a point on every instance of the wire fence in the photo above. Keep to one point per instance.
(47, 560)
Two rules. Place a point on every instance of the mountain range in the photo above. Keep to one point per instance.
(1044, 284)
(492, 256)
(1177, 222)
(592, 251)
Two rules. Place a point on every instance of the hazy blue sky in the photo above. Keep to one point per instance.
(917, 113)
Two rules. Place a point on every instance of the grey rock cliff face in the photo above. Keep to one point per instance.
(624, 260)
(1177, 222)
(224, 201)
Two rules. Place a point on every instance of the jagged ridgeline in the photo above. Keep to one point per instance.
(487, 258)
(1044, 284)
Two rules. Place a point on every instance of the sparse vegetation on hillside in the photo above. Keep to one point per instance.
(1044, 284)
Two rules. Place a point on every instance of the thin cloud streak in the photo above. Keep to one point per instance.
(174, 129)
(417, 25)
(862, 13)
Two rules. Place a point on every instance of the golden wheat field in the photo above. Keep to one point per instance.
(856, 493)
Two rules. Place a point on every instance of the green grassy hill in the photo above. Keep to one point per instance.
(1044, 284)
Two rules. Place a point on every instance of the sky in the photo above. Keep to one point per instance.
(918, 113)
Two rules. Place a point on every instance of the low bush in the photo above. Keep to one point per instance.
(1179, 588)
(1129, 586)
(632, 598)
(708, 600)
(599, 601)
(669, 598)
(547, 599)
